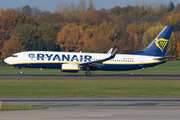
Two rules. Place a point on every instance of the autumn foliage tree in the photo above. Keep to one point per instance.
(172, 47)
(47, 16)
(2, 37)
(9, 19)
(49, 31)
(99, 44)
(11, 46)
(42, 37)
(70, 38)
(75, 27)
(82, 6)
(178, 49)
(133, 30)
(174, 20)
(101, 37)
(151, 34)
(106, 29)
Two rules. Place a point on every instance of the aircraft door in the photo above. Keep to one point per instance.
(141, 62)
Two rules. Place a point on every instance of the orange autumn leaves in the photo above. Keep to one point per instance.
(71, 38)
(82, 28)
(11, 46)
(96, 39)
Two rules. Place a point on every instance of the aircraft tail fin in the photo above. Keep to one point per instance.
(159, 45)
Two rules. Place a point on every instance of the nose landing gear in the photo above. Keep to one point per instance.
(21, 71)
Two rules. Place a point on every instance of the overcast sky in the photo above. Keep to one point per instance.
(50, 5)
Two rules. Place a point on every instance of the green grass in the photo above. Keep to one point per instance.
(16, 107)
(86, 88)
(170, 67)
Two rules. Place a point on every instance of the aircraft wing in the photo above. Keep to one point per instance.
(98, 63)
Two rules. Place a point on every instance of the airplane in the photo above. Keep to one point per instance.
(153, 55)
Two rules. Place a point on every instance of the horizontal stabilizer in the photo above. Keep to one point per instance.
(164, 58)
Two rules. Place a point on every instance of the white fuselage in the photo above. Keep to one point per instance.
(47, 59)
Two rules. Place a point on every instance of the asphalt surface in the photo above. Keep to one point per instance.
(94, 108)
(26, 76)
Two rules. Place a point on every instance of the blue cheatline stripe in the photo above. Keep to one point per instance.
(79, 62)
(111, 67)
(73, 71)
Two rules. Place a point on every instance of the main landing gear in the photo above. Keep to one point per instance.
(88, 73)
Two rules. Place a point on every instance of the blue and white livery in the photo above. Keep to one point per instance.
(153, 55)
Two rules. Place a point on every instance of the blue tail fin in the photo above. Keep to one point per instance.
(159, 45)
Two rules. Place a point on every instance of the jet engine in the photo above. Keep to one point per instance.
(70, 67)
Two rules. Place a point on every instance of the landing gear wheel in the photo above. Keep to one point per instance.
(21, 72)
(88, 73)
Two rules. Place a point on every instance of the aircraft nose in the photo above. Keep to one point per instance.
(7, 60)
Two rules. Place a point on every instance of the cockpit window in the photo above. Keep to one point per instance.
(14, 56)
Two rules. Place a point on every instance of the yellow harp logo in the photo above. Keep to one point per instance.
(161, 43)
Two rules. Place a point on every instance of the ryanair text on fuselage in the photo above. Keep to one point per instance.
(63, 57)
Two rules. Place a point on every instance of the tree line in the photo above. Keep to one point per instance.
(76, 27)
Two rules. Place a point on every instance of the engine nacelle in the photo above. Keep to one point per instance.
(70, 67)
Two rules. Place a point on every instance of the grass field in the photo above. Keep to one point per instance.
(86, 88)
(170, 67)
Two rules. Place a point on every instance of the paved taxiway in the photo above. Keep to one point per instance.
(94, 108)
(26, 76)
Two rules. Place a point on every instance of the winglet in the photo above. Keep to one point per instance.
(98, 63)
(114, 53)
(110, 51)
